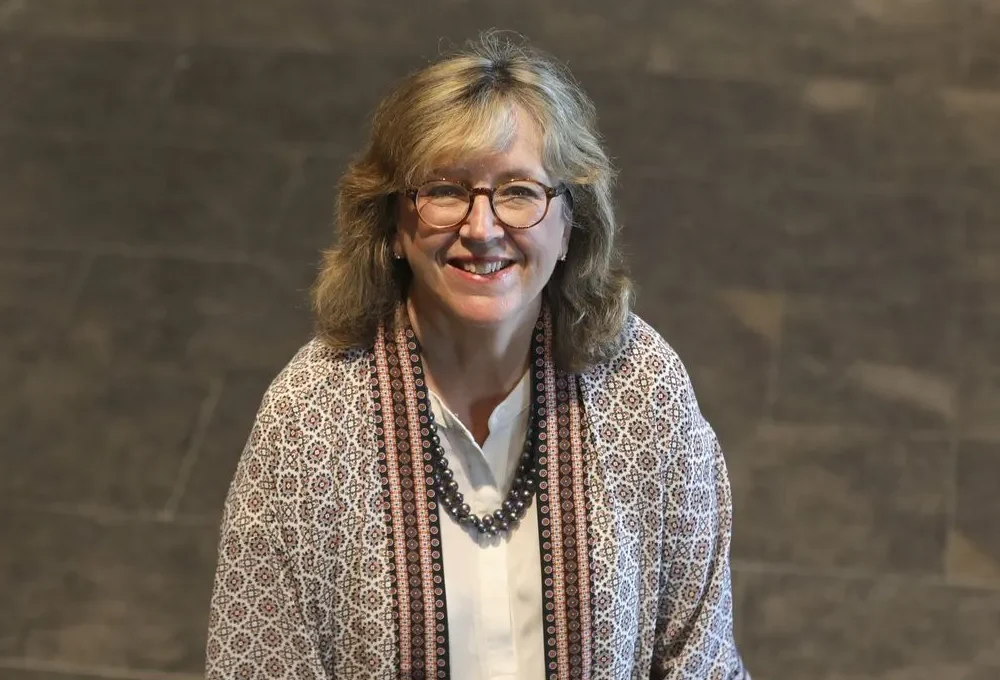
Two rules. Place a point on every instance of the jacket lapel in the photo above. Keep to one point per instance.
(411, 511)
(563, 530)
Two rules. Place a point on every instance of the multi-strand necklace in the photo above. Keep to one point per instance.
(525, 482)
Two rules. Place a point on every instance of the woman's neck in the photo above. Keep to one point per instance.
(471, 368)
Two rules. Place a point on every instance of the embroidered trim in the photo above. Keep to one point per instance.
(582, 546)
(385, 396)
(428, 545)
(417, 576)
(412, 512)
(562, 518)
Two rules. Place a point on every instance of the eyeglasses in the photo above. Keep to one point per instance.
(518, 204)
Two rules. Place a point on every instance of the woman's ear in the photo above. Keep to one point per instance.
(567, 232)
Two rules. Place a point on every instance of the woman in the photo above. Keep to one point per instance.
(484, 466)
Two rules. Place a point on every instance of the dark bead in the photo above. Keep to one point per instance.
(527, 456)
(520, 505)
(452, 485)
(435, 440)
(508, 506)
(503, 525)
(447, 474)
(487, 520)
(526, 494)
(464, 509)
(463, 519)
(529, 483)
(498, 515)
(518, 482)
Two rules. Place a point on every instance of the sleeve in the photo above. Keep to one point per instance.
(258, 626)
(694, 626)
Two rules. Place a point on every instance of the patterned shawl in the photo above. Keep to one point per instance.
(330, 563)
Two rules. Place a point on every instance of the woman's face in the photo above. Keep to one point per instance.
(440, 258)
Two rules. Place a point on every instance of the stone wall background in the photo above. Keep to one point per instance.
(810, 195)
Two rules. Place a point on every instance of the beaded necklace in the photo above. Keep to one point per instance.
(522, 489)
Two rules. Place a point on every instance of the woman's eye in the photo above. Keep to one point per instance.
(519, 191)
(445, 191)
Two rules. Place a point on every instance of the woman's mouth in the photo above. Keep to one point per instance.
(481, 267)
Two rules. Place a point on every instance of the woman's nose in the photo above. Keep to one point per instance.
(481, 224)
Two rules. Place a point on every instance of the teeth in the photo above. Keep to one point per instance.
(483, 268)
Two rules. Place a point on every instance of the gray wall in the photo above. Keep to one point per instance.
(810, 194)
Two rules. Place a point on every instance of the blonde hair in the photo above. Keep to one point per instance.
(464, 105)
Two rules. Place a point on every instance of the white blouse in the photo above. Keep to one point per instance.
(493, 585)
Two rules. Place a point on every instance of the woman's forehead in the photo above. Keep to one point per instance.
(519, 155)
(495, 168)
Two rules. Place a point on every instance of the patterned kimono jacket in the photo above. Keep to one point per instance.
(321, 576)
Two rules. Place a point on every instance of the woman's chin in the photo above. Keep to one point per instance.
(484, 311)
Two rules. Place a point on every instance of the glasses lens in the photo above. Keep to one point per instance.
(442, 204)
(520, 204)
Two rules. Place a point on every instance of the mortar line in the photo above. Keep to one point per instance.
(925, 580)
(959, 377)
(773, 375)
(740, 602)
(294, 181)
(104, 672)
(194, 253)
(78, 286)
(193, 452)
(109, 515)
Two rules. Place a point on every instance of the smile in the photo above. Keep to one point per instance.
(481, 267)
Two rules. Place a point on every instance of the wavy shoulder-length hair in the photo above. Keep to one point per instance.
(464, 105)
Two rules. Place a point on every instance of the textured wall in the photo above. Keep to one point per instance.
(811, 193)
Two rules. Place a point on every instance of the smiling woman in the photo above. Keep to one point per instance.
(485, 465)
(500, 109)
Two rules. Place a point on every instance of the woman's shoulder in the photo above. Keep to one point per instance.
(317, 376)
(643, 352)
(646, 373)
